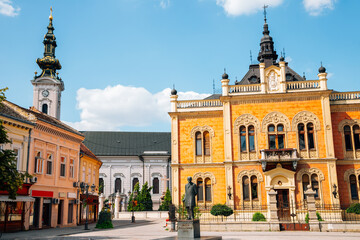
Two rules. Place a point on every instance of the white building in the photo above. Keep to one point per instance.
(131, 157)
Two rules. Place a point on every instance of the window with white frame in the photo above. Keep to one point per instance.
(38, 163)
(49, 164)
(71, 168)
(62, 167)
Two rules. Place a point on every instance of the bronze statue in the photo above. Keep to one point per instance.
(189, 199)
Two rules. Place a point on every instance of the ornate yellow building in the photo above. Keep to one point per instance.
(272, 130)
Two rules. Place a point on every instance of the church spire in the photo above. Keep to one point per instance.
(267, 53)
(49, 64)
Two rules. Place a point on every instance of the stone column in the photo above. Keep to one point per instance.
(273, 211)
(313, 221)
(323, 80)
(101, 201)
(117, 205)
(262, 77)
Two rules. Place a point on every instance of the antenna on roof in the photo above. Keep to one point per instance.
(251, 60)
(284, 52)
(304, 77)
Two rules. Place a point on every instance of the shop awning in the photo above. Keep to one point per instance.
(18, 199)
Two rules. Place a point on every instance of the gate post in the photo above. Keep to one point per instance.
(273, 210)
(313, 220)
(117, 205)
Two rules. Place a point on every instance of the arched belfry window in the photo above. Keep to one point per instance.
(118, 185)
(44, 108)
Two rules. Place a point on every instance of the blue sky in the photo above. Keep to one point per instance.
(121, 57)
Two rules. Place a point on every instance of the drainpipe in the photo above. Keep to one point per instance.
(77, 190)
(28, 152)
(141, 158)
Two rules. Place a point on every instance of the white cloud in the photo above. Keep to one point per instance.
(330, 75)
(316, 7)
(164, 3)
(245, 7)
(7, 8)
(118, 106)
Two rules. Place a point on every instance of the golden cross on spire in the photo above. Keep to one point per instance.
(51, 17)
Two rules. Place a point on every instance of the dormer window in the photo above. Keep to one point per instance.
(253, 79)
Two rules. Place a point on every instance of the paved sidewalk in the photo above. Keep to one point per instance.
(154, 229)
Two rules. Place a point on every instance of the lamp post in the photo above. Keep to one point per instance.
(85, 190)
(133, 204)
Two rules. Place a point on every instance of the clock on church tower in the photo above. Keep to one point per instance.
(47, 85)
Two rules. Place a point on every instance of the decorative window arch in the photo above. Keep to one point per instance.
(205, 182)
(276, 125)
(350, 131)
(352, 177)
(202, 136)
(306, 125)
(247, 127)
(312, 177)
(250, 192)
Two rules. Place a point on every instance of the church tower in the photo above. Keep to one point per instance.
(47, 85)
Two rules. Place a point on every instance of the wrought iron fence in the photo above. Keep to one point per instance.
(336, 213)
(240, 213)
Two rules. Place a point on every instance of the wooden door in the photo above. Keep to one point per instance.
(283, 204)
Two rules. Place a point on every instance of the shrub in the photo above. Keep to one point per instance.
(167, 201)
(104, 220)
(221, 210)
(258, 217)
(318, 217)
(143, 199)
(354, 208)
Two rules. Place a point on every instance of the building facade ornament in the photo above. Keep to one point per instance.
(350, 122)
(275, 118)
(202, 129)
(309, 171)
(246, 120)
(250, 173)
(305, 117)
(204, 175)
(349, 172)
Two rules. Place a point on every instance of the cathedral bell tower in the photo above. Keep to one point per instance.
(47, 85)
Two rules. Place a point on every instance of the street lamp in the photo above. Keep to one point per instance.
(85, 190)
(133, 204)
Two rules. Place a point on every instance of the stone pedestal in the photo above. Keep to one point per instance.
(188, 229)
(313, 220)
(117, 205)
(273, 214)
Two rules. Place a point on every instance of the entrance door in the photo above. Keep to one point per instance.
(60, 212)
(46, 216)
(283, 204)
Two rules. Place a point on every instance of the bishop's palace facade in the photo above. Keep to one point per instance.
(273, 131)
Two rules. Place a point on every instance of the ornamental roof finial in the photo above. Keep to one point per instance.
(51, 16)
(265, 7)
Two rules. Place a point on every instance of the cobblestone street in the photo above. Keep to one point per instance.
(155, 229)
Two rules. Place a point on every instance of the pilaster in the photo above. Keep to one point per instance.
(262, 77)
(175, 185)
(282, 77)
(229, 178)
(329, 141)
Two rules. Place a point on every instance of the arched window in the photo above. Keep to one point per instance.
(315, 185)
(118, 185)
(200, 185)
(44, 108)
(305, 184)
(207, 190)
(348, 141)
(301, 131)
(134, 182)
(251, 138)
(156, 185)
(38, 163)
(101, 185)
(206, 143)
(198, 144)
(353, 187)
(310, 135)
(276, 136)
(254, 188)
(356, 131)
(245, 183)
(243, 139)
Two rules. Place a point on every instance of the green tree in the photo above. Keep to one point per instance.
(143, 199)
(167, 201)
(10, 179)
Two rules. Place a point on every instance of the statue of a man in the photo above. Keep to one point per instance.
(189, 199)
